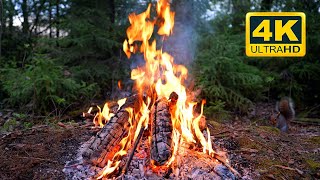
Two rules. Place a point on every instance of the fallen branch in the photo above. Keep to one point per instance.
(289, 168)
(223, 161)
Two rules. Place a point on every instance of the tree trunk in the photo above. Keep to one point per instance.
(57, 18)
(25, 14)
(112, 11)
(10, 14)
(50, 18)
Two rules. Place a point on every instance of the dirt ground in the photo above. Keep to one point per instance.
(261, 152)
(268, 153)
(39, 153)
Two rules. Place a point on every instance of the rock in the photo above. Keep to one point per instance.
(224, 172)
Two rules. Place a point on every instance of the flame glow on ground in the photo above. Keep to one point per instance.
(161, 76)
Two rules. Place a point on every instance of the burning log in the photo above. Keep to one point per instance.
(105, 144)
(173, 123)
(161, 129)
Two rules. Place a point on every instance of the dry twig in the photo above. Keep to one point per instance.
(289, 168)
(223, 161)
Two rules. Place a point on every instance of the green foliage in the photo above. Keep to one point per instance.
(42, 86)
(9, 125)
(215, 109)
(295, 77)
(92, 34)
(222, 74)
(19, 116)
(93, 45)
(27, 125)
(314, 165)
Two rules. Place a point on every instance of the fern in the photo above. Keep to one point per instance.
(42, 87)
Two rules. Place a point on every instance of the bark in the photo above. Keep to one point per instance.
(50, 18)
(105, 144)
(25, 14)
(161, 132)
(57, 18)
(10, 14)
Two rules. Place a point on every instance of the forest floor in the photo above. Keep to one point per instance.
(256, 150)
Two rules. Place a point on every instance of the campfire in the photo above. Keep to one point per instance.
(156, 132)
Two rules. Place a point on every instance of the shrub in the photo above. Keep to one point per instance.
(42, 86)
(222, 74)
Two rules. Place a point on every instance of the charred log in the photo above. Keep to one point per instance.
(101, 148)
(161, 129)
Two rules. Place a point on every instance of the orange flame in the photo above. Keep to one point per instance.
(161, 72)
(101, 118)
(165, 77)
(119, 84)
(163, 11)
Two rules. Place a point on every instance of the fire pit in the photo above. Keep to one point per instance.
(155, 133)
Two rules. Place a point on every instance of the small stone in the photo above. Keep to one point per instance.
(224, 172)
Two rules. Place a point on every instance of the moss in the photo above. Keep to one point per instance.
(246, 142)
(314, 140)
(214, 123)
(313, 164)
(266, 163)
(27, 125)
(9, 125)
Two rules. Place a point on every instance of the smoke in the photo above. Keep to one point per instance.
(182, 43)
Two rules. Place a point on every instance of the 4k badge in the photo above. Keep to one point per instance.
(275, 34)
